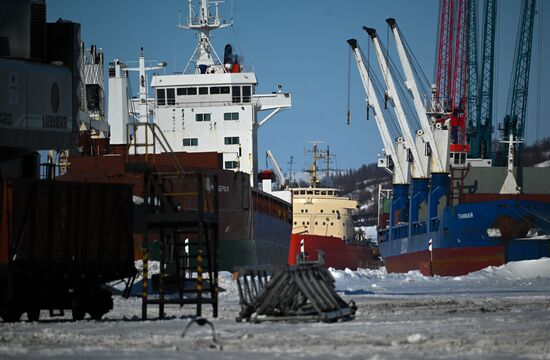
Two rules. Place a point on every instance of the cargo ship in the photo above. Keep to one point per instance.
(472, 229)
(323, 228)
(450, 211)
(207, 118)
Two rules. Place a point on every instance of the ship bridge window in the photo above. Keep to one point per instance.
(247, 94)
(458, 158)
(302, 192)
(192, 91)
(203, 91)
(331, 193)
(296, 192)
(181, 91)
(190, 142)
(224, 89)
(323, 192)
(316, 192)
(202, 117)
(231, 165)
(161, 97)
(170, 96)
(231, 116)
(236, 90)
(214, 90)
(310, 192)
(231, 140)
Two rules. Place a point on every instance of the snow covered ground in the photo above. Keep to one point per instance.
(498, 313)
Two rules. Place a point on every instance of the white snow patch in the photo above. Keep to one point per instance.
(528, 274)
(543, 164)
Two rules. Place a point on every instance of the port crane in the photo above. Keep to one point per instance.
(514, 121)
(481, 133)
(452, 74)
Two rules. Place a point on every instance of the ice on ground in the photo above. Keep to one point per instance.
(496, 313)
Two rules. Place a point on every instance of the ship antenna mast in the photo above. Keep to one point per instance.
(204, 23)
(290, 170)
(313, 179)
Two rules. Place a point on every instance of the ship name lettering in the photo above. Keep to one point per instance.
(223, 188)
(54, 122)
(468, 215)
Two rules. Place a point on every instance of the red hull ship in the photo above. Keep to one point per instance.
(331, 251)
(323, 227)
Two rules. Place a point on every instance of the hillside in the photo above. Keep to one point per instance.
(362, 184)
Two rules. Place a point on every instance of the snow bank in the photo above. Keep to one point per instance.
(518, 270)
(529, 275)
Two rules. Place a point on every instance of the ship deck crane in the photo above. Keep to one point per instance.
(400, 201)
(437, 138)
(277, 169)
(419, 168)
(400, 173)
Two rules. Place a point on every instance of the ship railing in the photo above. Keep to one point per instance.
(145, 138)
(419, 227)
(434, 224)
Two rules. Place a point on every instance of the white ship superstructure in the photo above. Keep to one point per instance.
(214, 108)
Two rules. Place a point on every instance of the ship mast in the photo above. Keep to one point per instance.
(204, 23)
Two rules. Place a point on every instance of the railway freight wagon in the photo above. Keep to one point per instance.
(60, 243)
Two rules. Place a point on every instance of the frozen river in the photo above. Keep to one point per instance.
(500, 313)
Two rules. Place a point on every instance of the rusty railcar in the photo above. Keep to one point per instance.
(60, 242)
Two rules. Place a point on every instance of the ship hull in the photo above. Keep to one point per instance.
(465, 239)
(254, 227)
(336, 252)
(268, 244)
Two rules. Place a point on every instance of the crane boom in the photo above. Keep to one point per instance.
(459, 85)
(483, 137)
(438, 163)
(278, 172)
(445, 55)
(399, 175)
(514, 123)
(418, 170)
(472, 107)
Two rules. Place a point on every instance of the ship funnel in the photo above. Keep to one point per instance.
(228, 54)
(370, 31)
(352, 43)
